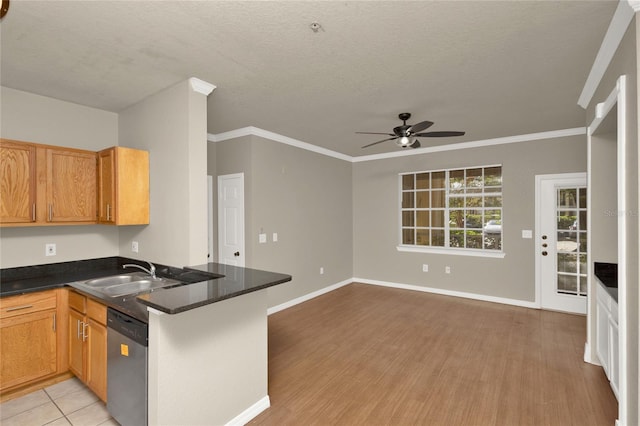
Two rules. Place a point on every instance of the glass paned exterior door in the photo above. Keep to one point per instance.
(571, 241)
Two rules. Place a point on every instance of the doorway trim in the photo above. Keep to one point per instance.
(616, 97)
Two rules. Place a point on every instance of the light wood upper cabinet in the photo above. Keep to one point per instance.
(17, 182)
(71, 186)
(48, 185)
(123, 186)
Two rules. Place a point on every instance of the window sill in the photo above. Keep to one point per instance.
(455, 252)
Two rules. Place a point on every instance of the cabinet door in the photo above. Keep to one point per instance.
(106, 186)
(602, 336)
(96, 377)
(17, 182)
(29, 349)
(77, 331)
(613, 356)
(71, 186)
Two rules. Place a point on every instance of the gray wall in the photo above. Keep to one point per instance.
(375, 189)
(625, 63)
(33, 118)
(303, 196)
(604, 198)
(163, 124)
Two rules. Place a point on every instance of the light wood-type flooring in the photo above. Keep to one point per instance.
(370, 355)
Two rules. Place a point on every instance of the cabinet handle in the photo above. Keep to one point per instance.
(17, 308)
(78, 328)
(108, 212)
(84, 328)
(54, 322)
(33, 212)
(50, 212)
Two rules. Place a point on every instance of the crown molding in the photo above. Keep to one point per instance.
(255, 131)
(201, 86)
(635, 5)
(477, 144)
(617, 28)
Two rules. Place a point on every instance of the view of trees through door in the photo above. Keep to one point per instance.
(571, 241)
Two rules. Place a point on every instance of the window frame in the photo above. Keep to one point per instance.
(446, 249)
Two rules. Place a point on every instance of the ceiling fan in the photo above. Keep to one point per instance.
(407, 134)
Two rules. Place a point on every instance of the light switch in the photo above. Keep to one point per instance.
(275, 237)
(527, 233)
(262, 238)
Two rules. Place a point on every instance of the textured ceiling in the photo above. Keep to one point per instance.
(490, 68)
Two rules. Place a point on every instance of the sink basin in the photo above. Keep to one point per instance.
(116, 280)
(125, 284)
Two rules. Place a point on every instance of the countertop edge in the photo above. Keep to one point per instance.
(172, 311)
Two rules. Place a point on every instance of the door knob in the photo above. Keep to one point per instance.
(544, 253)
(236, 254)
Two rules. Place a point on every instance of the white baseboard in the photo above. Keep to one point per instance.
(250, 413)
(474, 296)
(587, 355)
(505, 301)
(308, 296)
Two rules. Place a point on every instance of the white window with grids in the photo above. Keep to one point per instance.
(458, 211)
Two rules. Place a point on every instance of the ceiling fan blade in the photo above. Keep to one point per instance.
(439, 134)
(374, 133)
(418, 127)
(383, 140)
(416, 144)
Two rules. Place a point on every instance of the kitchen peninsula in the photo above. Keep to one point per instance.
(207, 353)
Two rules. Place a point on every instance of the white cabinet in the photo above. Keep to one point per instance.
(607, 336)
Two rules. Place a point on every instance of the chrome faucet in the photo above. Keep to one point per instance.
(151, 271)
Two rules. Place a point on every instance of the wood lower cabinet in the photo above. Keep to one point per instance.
(88, 342)
(29, 339)
(123, 186)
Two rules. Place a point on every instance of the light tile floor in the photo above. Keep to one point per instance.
(65, 403)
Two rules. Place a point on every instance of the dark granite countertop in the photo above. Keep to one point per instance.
(233, 281)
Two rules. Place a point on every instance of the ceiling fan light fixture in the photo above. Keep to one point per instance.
(405, 141)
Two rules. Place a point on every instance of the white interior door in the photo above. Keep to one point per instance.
(231, 219)
(561, 239)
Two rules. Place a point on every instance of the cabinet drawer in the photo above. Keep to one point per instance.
(27, 303)
(97, 311)
(77, 302)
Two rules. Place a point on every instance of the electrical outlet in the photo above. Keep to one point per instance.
(275, 237)
(262, 238)
(425, 268)
(50, 249)
(321, 270)
(134, 246)
(447, 269)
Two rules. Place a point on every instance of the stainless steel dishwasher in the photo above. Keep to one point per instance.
(126, 369)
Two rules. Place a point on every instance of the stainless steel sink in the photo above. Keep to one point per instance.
(126, 284)
(116, 279)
